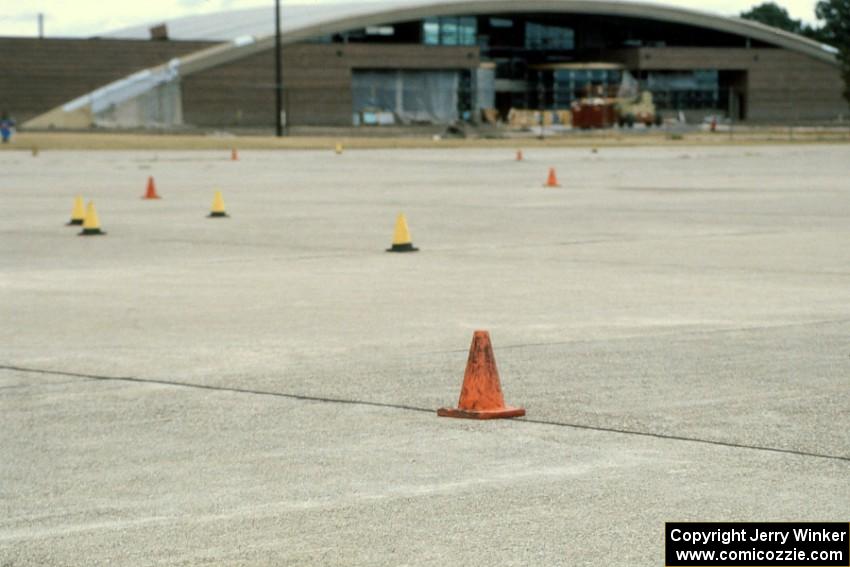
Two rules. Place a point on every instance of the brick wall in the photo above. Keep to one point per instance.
(316, 77)
(37, 75)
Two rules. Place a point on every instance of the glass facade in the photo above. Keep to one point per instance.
(683, 90)
(540, 36)
(450, 31)
(572, 84)
(549, 61)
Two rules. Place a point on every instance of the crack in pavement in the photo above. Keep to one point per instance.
(404, 407)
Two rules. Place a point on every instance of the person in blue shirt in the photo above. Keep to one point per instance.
(6, 125)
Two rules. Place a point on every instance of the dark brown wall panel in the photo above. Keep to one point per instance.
(41, 74)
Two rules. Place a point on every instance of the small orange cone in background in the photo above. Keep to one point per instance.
(519, 155)
(553, 178)
(151, 191)
(481, 394)
(234, 155)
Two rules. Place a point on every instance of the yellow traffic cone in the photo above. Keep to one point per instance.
(78, 213)
(338, 149)
(401, 237)
(218, 206)
(91, 224)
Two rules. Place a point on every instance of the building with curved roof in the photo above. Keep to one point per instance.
(443, 61)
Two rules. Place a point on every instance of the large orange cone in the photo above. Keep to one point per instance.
(481, 395)
(234, 155)
(553, 178)
(519, 155)
(151, 191)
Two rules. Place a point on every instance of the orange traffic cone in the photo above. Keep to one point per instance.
(553, 178)
(234, 155)
(151, 191)
(519, 155)
(481, 395)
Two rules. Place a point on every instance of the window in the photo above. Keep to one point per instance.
(685, 89)
(467, 30)
(431, 31)
(449, 30)
(501, 23)
(571, 84)
(380, 30)
(539, 36)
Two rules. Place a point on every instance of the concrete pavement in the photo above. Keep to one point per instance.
(260, 389)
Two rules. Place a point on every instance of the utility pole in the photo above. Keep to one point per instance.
(541, 102)
(277, 71)
(40, 26)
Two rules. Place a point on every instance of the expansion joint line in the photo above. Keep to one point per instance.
(404, 407)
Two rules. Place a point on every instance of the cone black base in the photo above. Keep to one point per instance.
(403, 248)
(91, 232)
(217, 215)
(75, 222)
(507, 412)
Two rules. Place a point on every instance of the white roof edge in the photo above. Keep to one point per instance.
(303, 21)
(413, 11)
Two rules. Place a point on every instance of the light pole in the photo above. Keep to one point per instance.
(277, 71)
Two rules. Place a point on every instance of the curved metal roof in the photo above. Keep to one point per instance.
(303, 21)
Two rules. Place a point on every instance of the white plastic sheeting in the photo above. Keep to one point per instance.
(411, 96)
(159, 107)
(147, 98)
(485, 82)
(629, 87)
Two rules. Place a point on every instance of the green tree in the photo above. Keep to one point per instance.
(835, 15)
(816, 33)
(772, 14)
